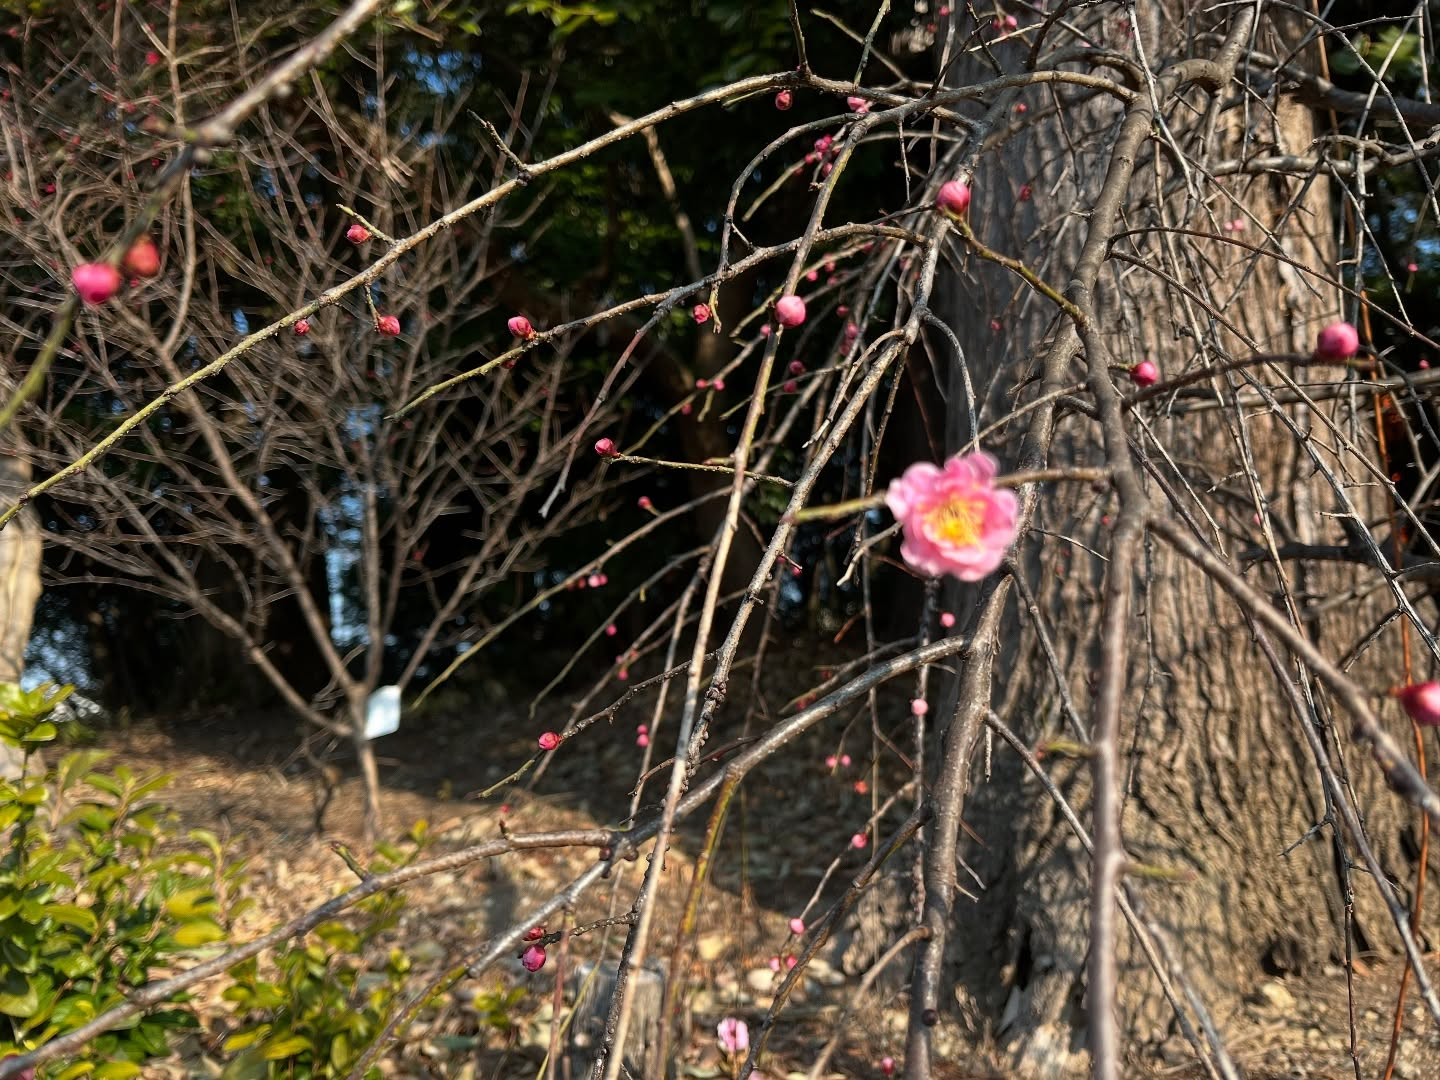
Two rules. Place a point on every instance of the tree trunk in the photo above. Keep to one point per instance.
(20, 552)
(1220, 781)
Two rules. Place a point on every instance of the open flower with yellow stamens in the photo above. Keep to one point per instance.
(956, 520)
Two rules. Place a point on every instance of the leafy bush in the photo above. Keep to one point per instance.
(321, 1006)
(92, 902)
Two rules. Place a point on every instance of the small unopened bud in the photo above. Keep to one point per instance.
(954, 198)
(1145, 373)
(790, 310)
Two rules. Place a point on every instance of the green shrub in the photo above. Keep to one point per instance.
(314, 1014)
(93, 903)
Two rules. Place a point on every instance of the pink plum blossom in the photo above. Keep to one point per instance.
(734, 1036)
(954, 518)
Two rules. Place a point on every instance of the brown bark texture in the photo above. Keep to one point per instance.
(1220, 786)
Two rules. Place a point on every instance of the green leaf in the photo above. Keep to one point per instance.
(18, 995)
(198, 932)
(117, 1070)
(289, 1047)
(73, 915)
(243, 1039)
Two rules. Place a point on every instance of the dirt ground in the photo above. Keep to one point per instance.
(263, 803)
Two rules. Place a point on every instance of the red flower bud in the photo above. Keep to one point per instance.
(143, 259)
(954, 198)
(790, 310)
(357, 233)
(95, 282)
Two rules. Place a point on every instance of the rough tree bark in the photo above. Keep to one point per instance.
(1219, 780)
(20, 552)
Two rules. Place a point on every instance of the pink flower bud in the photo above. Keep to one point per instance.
(143, 258)
(857, 105)
(1338, 341)
(851, 331)
(1422, 702)
(790, 961)
(534, 958)
(594, 581)
(388, 325)
(796, 367)
(95, 282)
(996, 326)
(797, 926)
(302, 327)
(774, 963)
(357, 233)
(783, 100)
(152, 58)
(717, 384)
(947, 619)
(831, 761)
(765, 330)
(623, 674)
(701, 314)
(1021, 107)
(790, 310)
(844, 761)
(1412, 267)
(642, 740)
(1145, 373)
(919, 707)
(954, 198)
(605, 447)
(644, 503)
(701, 384)
(548, 740)
(887, 1066)
(520, 326)
(1011, 22)
(1025, 192)
(825, 170)
(842, 310)
(535, 933)
(859, 840)
(789, 386)
(823, 144)
(812, 275)
(861, 787)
